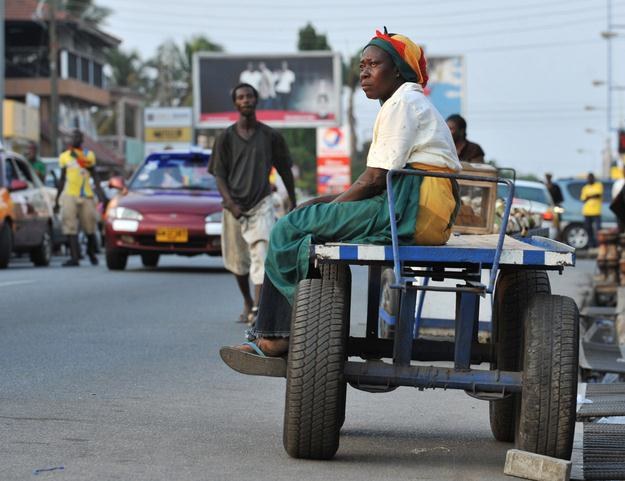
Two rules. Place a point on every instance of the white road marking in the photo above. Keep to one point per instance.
(14, 283)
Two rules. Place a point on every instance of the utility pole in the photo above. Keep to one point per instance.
(54, 88)
(2, 37)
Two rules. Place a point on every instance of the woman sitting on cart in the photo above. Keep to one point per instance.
(408, 133)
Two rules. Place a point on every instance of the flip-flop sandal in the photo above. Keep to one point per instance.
(253, 363)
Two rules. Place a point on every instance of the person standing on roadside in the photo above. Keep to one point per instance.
(554, 190)
(467, 151)
(242, 159)
(76, 198)
(35, 162)
(591, 196)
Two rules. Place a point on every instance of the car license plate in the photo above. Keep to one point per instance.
(172, 234)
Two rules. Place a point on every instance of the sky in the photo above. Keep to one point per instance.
(529, 101)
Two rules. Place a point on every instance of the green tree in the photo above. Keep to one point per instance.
(86, 10)
(173, 84)
(309, 39)
(197, 43)
(127, 69)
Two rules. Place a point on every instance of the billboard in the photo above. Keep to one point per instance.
(445, 87)
(295, 90)
(167, 128)
(334, 173)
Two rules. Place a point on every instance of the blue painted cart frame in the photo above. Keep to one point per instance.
(462, 259)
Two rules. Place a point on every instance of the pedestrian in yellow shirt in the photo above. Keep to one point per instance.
(76, 198)
(592, 196)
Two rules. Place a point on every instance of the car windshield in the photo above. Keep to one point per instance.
(533, 194)
(174, 173)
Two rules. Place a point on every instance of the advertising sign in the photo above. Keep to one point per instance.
(445, 87)
(167, 128)
(334, 173)
(295, 90)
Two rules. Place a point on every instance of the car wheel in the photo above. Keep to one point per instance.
(6, 244)
(41, 255)
(116, 260)
(576, 236)
(150, 259)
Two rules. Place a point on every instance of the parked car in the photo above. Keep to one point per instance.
(535, 198)
(31, 213)
(6, 224)
(572, 226)
(171, 205)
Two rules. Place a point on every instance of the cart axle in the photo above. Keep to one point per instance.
(425, 377)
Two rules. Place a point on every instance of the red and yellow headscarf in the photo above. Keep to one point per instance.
(407, 56)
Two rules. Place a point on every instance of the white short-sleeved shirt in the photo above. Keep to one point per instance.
(409, 129)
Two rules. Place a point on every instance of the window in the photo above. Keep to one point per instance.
(97, 75)
(25, 171)
(72, 65)
(84, 70)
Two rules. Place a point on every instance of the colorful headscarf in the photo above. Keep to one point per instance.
(407, 56)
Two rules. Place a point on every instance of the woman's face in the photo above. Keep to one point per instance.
(379, 78)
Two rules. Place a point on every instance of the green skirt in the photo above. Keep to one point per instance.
(361, 222)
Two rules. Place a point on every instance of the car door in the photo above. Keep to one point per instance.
(33, 206)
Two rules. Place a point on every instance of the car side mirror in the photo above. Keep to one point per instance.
(17, 184)
(117, 183)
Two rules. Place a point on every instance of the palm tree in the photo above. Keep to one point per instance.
(86, 10)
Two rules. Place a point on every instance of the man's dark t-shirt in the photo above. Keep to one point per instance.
(556, 194)
(245, 165)
(471, 152)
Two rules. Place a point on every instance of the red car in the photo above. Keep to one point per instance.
(170, 206)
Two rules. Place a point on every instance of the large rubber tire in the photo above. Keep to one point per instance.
(150, 259)
(513, 292)
(550, 352)
(6, 244)
(389, 302)
(315, 382)
(42, 254)
(342, 274)
(116, 260)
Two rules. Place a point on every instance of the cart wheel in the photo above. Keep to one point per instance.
(315, 383)
(389, 305)
(550, 351)
(513, 292)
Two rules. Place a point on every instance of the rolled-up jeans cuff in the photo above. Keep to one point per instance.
(253, 333)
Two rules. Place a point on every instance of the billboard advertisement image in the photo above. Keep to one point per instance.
(334, 174)
(446, 84)
(295, 90)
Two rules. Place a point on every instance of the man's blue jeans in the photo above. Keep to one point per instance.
(593, 224)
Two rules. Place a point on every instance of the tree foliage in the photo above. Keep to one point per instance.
(86, 10)
(309, 39)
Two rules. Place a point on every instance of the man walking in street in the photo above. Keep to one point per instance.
(76, 198)
(242, 159)
(591, 196)
(467, 151)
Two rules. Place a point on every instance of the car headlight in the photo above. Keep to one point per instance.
(558, 210)
(214, 217)
(212, 224)
(124, 213)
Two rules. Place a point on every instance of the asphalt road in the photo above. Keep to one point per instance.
(116, 376)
